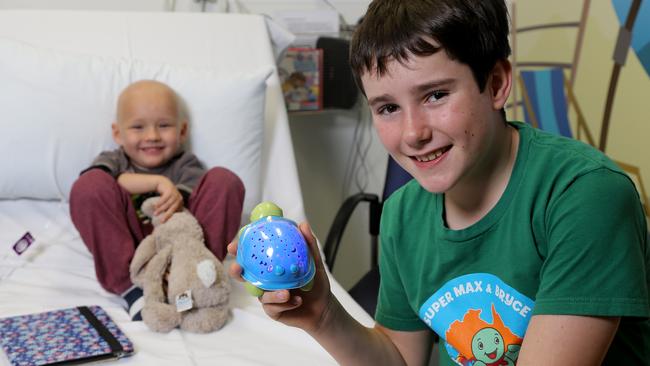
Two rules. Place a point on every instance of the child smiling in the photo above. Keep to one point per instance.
(151, 128)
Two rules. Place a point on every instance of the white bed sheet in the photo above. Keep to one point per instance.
(58, 271)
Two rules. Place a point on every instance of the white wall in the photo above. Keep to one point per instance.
(350, 9)
(128, 5)
(324, 145)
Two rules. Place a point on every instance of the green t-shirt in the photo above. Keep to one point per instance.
(568, 236)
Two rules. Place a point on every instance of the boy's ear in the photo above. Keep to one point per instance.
(500, 83)
(184, 130)
(116, 133)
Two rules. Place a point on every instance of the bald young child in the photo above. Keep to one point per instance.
(151, 129)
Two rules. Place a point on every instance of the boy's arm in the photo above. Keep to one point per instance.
(350, 343)
(136, 183)
(567, 340)
(319, 313)
(594, 269)
(170, 200)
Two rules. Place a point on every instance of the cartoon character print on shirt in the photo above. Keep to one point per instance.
(481, 319)
(483, 343)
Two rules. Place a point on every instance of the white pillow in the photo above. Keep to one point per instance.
(56, 109)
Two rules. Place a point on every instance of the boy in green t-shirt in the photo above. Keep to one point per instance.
(513, 245)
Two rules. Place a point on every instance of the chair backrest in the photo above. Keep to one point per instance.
(366, 290)
(519, 62)
(396, 177)
(545, 101)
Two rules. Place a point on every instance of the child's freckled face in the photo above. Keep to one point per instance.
(148, 127)
(432, 118)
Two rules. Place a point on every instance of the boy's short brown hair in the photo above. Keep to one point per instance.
(473, 32)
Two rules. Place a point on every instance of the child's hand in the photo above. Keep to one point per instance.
(297, 308)
(170, 201)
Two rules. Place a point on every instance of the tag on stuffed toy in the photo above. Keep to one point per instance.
(184, 301)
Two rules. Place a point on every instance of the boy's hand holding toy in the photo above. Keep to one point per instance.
(273, 253)
(275, 258)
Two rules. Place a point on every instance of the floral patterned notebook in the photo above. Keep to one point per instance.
(67, 336)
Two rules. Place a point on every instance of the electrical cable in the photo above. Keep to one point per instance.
(344, 27)
(349, 165)
(203, 4)
(363, 147)
(351, 162)
(362, 153)
(357, 170)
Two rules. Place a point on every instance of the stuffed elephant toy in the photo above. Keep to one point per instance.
(184, 284)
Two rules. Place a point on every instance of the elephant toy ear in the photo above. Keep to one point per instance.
(206, 272)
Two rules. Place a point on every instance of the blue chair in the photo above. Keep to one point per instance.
(545, 103)
(365, 291)
(573, 25)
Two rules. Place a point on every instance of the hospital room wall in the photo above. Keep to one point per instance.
(349, 9)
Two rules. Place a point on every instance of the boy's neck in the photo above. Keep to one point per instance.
(471, 200)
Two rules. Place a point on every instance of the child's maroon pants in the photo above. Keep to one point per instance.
(106, 219)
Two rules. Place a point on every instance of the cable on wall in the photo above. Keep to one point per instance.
(204, 3)
(357, 170)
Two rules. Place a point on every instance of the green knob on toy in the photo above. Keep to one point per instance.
(308, 286)
(251, 289)
(265, 209)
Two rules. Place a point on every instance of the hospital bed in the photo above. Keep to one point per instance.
(60, 72)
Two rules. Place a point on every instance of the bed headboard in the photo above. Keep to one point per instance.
(61, 73)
